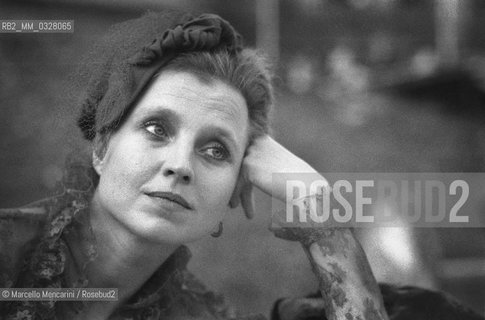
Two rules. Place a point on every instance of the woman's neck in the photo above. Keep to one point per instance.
(123, 260)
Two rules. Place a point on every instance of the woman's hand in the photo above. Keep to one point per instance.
(263, 158)
(349, 289)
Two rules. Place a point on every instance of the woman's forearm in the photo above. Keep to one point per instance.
(346, 282)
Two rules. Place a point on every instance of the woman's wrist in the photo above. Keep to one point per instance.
(346, 281)
(309, 233)
(309, 236)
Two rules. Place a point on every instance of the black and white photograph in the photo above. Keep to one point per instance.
(245, 159)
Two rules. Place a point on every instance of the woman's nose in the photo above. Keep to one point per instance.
(181, 173)
(178, 164)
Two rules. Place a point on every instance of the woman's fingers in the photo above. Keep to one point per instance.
(236, 195)
(247, 200)
(234, 203)
(243, 194)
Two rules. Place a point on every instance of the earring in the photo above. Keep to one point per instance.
(217, 233)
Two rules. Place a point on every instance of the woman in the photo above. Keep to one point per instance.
(177, 112)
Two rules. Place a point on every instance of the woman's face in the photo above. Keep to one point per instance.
(169, 171)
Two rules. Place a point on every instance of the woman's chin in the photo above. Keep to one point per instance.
(164, 231)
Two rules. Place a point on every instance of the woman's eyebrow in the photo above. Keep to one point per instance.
(222, 133)
(163, 113)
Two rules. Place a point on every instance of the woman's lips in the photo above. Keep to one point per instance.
(172, 197)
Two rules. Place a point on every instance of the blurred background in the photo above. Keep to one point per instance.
(362, 86)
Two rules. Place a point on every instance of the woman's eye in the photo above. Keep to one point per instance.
(217, 152)
(156, 129)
